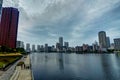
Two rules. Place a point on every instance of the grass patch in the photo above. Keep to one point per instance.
(10, 54)
(6, 60)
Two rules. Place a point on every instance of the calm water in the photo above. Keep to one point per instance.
(61, 66)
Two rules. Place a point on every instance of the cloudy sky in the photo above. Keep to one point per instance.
(78, 21)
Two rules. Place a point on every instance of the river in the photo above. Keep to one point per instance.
(62, 66)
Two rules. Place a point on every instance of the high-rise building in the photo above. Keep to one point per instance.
(41, 48)
(61, 43)
(38, 48)
(112, 46)
(66, 45)
(57, 46)
(20, 44)
(28, 47)
(102, 39)
(9, 27)
(46, 48)
(33, 48)
(95, 46)
(108, 42)
(1, 1)
(117, 43)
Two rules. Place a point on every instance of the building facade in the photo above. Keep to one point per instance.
(66, 44)
(38, 48)
(9, 27)
(102, 39)
(61, 43)
(28, 47)
(46, 47)
(117, 43)
(20, 44)
(33, 48)
(108, 42)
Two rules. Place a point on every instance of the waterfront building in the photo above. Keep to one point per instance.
(42, 48)
(66, 45)
(28, 47)
(102, 40)
(46, 48)
(108, 42)
(117, 43)
(33, 48)
(49, 49)
(53, 48)
(78, 49)
(95, 46)
(85, 47)
(57, 47)
(38, 48)
(20, 44)
(112, 46)
(9, 27)
(61, 43)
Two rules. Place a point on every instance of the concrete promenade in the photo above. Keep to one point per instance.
(23, 72)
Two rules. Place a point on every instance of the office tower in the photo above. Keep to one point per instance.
(78, 49)
(1, 1)
(108, 42)
(8, 27)
(112, 46)
(66, 44)
(28, 47)
(85, 47)
(95, 46)
(20, 44)
(53, 48)
(38, 48)
(33, 48)
(102, 39)
(61, 43)
(57, 46)
(117, 43)
(46, 48)
(41, 48)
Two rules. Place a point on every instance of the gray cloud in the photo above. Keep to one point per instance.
(78, 21)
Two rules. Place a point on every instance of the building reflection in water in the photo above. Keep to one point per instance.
(60, 61)
(110, 67)
(46, 58)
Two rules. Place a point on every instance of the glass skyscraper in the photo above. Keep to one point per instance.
(9, 27)
(102, 39)
(61, 43)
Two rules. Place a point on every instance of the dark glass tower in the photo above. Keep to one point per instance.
(9, 27)
(102, 39)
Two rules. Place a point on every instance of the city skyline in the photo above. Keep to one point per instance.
(68, 19)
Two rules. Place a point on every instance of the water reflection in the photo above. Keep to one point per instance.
(61, 66)
(110, 67)
(60, 61)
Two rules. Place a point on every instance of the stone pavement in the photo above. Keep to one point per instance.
(5, 75)
(23, 72)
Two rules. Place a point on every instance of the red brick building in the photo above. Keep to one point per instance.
(9, 27)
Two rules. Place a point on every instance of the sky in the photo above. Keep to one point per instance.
(77, 21)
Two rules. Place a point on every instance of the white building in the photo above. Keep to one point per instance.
(20, 44)
(117, 43)
(28, 47)
(33, 48)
